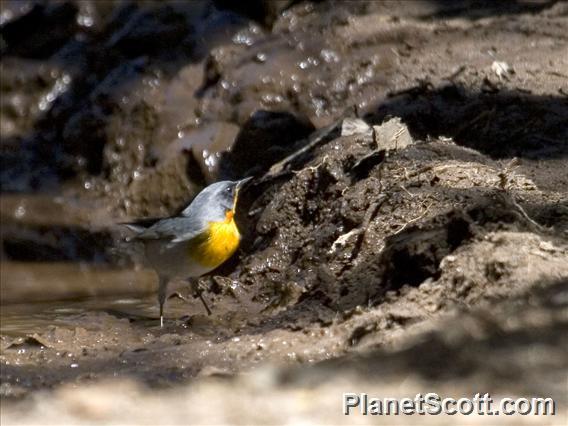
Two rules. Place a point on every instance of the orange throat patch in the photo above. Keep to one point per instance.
(217, 244)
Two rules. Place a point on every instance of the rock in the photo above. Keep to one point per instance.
(392, 135)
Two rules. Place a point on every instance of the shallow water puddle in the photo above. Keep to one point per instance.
(25, 319)
(26, 282)
(35, 296)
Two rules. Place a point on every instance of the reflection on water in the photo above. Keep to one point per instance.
(26, 282)
(29, 318)
(58, 277)
(35, 296)
(38, 297)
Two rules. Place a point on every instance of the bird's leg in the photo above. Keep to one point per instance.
(197, 292)
(204, 303)
(162, 292)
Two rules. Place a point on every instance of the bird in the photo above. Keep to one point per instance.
(196, 241)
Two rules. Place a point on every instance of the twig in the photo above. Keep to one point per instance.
(524, 213)
(403, 227)
(418, 172)
(455, 73)
(311, 168)
(361, 232)
(504, 178)
(406, 190)
(505, 172)
(278, 168)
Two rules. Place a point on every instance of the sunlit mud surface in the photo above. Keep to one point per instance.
(406, 230)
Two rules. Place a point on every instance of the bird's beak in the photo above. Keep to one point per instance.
(242, 182)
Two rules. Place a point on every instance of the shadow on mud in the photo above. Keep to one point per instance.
(501, 124)
(474, 9)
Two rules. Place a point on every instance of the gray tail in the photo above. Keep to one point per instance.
(135, 230)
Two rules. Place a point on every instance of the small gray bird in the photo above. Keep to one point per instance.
(197, 241)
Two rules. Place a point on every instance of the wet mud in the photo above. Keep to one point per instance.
(406, 230)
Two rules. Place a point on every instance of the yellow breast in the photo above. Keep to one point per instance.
(215, 246)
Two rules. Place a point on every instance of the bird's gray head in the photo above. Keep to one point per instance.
(216, 200)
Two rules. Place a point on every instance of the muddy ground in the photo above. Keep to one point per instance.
(406, 230)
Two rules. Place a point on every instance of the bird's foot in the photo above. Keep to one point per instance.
(198, 293)
(178, 295)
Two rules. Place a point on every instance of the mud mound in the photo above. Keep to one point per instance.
(335, 240)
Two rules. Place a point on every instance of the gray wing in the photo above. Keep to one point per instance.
(174, 230)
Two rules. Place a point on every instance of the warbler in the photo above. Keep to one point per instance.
(198, 240)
